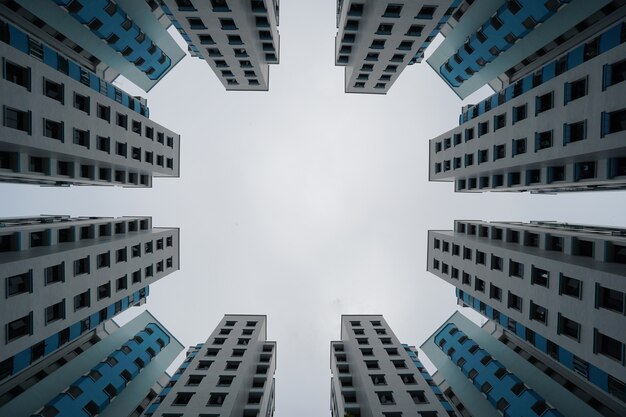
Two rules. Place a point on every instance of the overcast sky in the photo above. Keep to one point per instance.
(304, 203)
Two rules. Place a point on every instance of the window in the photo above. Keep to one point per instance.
(227, 24)
(575, 90)
(216, 398)
(121, 120)
(81, 102)
(614, 73)
(570, 286)
(408, 379)
(81, 266)
(104, 291)
(495, 292)
(399, 364)
(415, 30)
(53, 90)
(393, 10)
(607, 346)
(515, 302)
(225, 380)
(538, 313)
(543, 140)
(20, 327)
(544, 102)
(55, 273)
(204, 365)
(17, 74)
(232, 365)
(520, 113)
(182, 398)
(539, 276)
(17, 119)
(378, 379)
(19, 284)
(121, 283)
(385, 398)
(584, 170)
(55, 312)
(609, 299)
(497, 263)
(613, 122)
(194, 380)
(516, 269)
(418, 397)
(568, 327)
(383, 28)
(574, 132)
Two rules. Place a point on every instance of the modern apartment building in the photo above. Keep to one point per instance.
(560, 287)
(486, 373)
(63, 125)
(238, 38)
(501, 41)
(560, 128)
(109, 371)
(376, 40)
(230, 375)
(373, 374)
(63, 276)
(106, 37)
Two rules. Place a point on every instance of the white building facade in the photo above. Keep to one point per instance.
(376, 40)
(373, 374)
(230, 375)
(239, 39)
(111, 370)
(559, 128)
(63, 125)
(560, 287)
(63, 276)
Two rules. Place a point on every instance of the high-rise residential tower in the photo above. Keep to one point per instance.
(373, 374)
(105, 37)
(238, 38)
(63, 276)
(498, 42)
(376, 40)
(486, 373)
(230, 375)
(110, 371)
(559, 128)
(558, 286)
(63, 124)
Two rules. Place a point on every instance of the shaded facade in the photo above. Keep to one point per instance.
(63, 125)
(484, 374)
(559, 287)
(239, 39)
(108, 38)
(376, 40)
(560, 128)
(64, 276)
(373, 374)
(230, 375)
(112, 371)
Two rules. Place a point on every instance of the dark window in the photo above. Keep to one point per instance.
(17, 74)
(17, 119)
(609, 299)
(568, 327)
(81, 102)
(53, 90)
(19, 284)
(20, 327)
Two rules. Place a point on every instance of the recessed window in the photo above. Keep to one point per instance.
(194, 380)
(55, 273)
(575, 90)
(53, 90)
(415, 30)
(608, 346)
(574, 132)
(19, 284)
(609, 299)
(183, 398)
(55, 312)
(544, 102)
(386, 398)
(17, 119)
(393, 10)
(568, 327)
(227, 24)
(104, 291)
(217, 399)
(495, 292)
(538, 313)
(520, 113)
(81, 102)
(384, 29)
(81, 266)
(570, 286)
(515, 302)
(543, 140)
(17, 74)
(418, 397)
